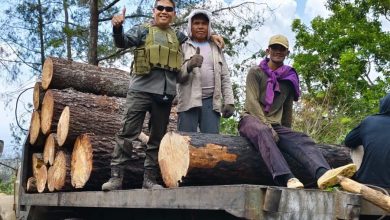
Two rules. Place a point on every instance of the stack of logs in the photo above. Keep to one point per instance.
(77, 111)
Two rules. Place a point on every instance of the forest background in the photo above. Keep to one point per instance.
(342, 56)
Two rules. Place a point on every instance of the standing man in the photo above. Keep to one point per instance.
(271, 89)
(373, 133)
(204, 87)
(157, 61)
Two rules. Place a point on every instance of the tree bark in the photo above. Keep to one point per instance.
(58, 177)
(38, 95)
(212, 159)
(61, 74)
(50, 149)
(91, 157)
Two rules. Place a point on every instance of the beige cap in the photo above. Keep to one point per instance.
(279, 39)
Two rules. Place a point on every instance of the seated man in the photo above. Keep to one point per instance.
(271, 88)
(373, 133)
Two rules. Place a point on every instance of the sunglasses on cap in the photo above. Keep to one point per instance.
(167, 8)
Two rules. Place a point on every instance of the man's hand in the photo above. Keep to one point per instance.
(227, 110)
(118, 20)
(274, 134)
(195, 61)
(218, 40)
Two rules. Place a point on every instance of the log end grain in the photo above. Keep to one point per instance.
(49, 149)
(63, 126)
(82, 161)
(174, 158)
(50, 180)
(31, 185)
(36, 95)
(57, 178)
(47, 73)
(47, 112)
(35, 127)
(41, 177)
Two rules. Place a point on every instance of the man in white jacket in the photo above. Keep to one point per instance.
(204, 86)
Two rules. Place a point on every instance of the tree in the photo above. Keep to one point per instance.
(344, 66)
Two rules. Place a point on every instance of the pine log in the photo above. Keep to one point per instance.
(39, 171)
(50, 149)
(212, 159)
(38, 95)
(374, 196)
(90, 164)
(53, 104)
(36, 137)
(31, 185)
(58, 177)
(60, 74)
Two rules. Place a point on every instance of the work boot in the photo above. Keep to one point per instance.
(150, 180)
(330, 177)
(115, 182)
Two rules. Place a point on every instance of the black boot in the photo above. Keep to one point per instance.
(150, 180)
(115, 182)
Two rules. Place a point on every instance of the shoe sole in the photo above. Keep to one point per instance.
(331, 178)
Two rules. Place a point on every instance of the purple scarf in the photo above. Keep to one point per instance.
(274, 76)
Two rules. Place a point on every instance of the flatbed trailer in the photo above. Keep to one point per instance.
(192, 202)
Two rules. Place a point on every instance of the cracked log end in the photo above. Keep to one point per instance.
(174, 158)
(81, 165)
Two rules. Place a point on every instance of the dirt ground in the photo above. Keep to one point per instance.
(6, 207)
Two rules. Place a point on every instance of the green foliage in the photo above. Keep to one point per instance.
(229, 126)
(336, 59)
(7, 187)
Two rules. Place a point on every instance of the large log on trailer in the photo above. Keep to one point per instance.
(212, 159)
(60, 74)
(58, 177)
(50, 149)
(90, 163)
(38, 95)
(36, 137)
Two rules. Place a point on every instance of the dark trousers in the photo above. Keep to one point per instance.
(205, 117)
(137, 104)
(298, 145)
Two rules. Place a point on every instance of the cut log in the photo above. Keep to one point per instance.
(60, 74)
(39, 171)
(50, 149)
(374, 196)
(212, 159)
(52, 106)
(58, 177)
(31, 185)
(91, 157)
(38, 95)
(36, 137)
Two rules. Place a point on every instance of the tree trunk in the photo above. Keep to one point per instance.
(50, 149)
(93, 32)
(58, 177)
(91, 157)
(39, 171)
(212, 159)
(38, 95)
(36, 137)
(53, 104)
(61, 74)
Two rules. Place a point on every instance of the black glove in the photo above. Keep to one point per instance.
(195, 61)
(227, 111)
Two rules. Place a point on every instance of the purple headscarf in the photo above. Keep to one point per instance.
(274, 76)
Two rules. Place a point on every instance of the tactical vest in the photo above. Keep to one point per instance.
(161, 50)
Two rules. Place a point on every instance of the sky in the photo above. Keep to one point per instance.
(278, 23)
